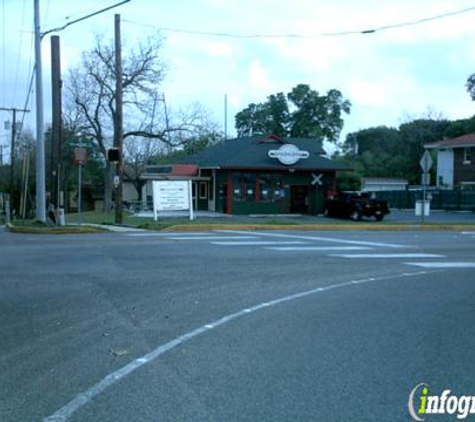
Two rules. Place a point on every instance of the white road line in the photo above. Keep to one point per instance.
(212, 237)
(469, 233)
(318, 248)
(388, 255)
(157, 234)
(82, 399)
(323, 239)
(258, 243)
(442, 264)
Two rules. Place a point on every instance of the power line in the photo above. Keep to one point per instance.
(17, 67)
(305, 36)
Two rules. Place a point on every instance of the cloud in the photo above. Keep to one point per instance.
(259, 76)
(219, 49)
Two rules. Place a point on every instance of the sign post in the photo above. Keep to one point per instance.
(80, 158)
(172, 195)
(426, 164)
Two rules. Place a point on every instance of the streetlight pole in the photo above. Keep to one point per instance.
(40, 133)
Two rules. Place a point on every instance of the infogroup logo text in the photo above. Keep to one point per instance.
(421, 404)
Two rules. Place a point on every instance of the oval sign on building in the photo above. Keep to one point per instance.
(288, 154)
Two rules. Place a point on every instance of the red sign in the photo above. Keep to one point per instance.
(80, 156)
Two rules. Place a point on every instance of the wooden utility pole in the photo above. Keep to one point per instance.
(118, 123)
(57, 126)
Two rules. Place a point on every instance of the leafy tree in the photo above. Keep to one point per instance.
(414, 136)
(391, 152)
(470, 86)
(317, 116)
(460, 127)
(301, 113)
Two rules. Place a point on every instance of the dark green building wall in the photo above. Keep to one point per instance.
(226, 202)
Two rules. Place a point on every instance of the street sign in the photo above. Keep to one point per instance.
(426, 162)
(80, 156)
(172, 195)
(317, 180)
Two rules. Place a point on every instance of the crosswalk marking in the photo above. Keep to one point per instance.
(161, 234)
(257, 243)
(318, 248)
(442, 264)
(212, 237)
(390, 255)
(312, 238)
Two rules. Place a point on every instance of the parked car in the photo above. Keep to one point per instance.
(356, 205)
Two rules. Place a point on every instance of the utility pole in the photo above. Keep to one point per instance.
(57, 126)
(40, 132)
(14, 112)
(118, 122)
(40, 140)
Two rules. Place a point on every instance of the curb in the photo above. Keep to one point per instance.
(54, 230)
(335, 227)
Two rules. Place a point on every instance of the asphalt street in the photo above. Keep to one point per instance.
(233, 326)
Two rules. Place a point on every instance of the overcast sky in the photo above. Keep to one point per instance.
(387, 75)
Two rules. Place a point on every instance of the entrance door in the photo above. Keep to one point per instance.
(223, 197)
(299, 199)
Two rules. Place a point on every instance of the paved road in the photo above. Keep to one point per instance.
(233, 326)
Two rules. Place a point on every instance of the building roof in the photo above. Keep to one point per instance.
(171, 171)
(252, 153)
(459, 142)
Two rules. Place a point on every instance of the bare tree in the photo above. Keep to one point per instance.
(90, 90)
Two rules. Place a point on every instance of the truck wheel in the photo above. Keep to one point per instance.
(379, 217)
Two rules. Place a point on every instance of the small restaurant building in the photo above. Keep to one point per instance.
(255, 175)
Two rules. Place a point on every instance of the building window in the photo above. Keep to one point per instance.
(270, 187)
(258, 187)
(265, 188)
(244, 187)
(467, 155)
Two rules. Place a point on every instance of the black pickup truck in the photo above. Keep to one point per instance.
(356, 205)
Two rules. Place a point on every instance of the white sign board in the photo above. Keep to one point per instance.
(426, 161)
(288, 154)
(172, 195)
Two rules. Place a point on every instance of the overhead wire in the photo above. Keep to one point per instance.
(307, 36)
(20, 45)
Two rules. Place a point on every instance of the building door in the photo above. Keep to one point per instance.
(223, 197)
(299, 199)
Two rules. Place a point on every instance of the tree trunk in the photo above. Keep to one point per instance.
(109, 173)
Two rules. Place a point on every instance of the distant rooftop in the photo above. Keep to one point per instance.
(459, 142)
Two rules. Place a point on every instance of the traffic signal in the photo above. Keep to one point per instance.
(113, 155)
